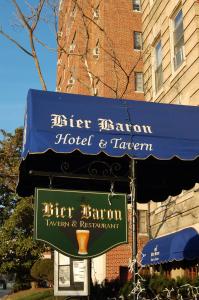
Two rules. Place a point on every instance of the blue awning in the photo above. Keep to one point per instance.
(67, 133)
(178, 246)
(65, 123)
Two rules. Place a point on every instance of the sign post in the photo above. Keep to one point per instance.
(134, 224)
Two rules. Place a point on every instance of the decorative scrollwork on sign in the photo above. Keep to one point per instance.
(102, 168)
(115, 168)
(99, 168)
(93, 169)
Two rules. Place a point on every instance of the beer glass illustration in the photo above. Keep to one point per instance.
(82, 239)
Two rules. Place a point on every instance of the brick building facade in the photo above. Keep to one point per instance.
(117, 259)
(100, 53)
(100, 49)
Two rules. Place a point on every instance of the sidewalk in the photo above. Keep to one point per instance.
(3, 293)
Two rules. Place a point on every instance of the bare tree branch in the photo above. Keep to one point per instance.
(120, 80)
(15, 42)
(21, 15)
(30, 22)
(39, 9)
(43, 44)
(30, 29)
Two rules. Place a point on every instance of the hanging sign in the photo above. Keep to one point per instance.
(80, 224)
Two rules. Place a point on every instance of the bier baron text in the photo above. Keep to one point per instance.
(90, 217)
(103, 125)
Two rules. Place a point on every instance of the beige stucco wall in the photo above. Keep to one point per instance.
(179, 87)
(177, 273)
(175, 213)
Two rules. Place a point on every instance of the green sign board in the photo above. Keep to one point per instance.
(80, 224)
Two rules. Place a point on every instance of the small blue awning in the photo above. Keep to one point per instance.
(178, 246)
(66, 122)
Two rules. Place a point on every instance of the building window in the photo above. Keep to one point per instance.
(178, 40)
(139, 83)
(71, 81)
(158, 66)
(136, 5)
(73, 44)
(142, 221)
(96, 50)
(137, 40)
(73, 11)
(96, 12)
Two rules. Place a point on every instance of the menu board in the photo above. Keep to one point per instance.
(71, 276)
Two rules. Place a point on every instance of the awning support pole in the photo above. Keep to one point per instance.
(134, 223)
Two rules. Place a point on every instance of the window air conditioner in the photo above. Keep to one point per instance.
(72, 14)
(59, 61)
(59, 34)
(95, 91)
(96, 52)
(136, 7)
(71, 81)
(95, 14)
(71, 48)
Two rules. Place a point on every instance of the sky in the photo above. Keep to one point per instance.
(17, 70)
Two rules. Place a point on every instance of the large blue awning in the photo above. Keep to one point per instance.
(178, 246)
(66, 122)
(66, 135)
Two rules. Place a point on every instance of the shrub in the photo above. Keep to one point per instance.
(196, 281)
(158, 283)
(183, 284)
(109, 289)
(19, 286)
(43, 269)
(126, 289)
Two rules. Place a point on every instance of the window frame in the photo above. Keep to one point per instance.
(158, 66)
(138, 5)
(96, 50)
(180, 41)
(73, 11)
(144, 224)
(73, 43)
(136, 84)
(139, 47)
(96, 12)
